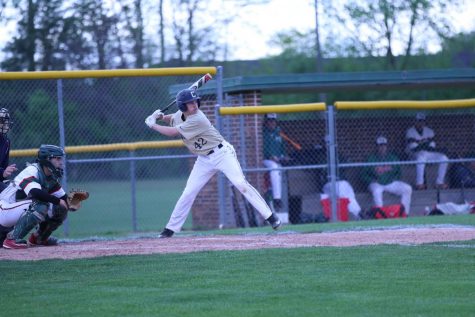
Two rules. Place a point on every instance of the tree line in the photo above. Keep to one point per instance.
(96, 34)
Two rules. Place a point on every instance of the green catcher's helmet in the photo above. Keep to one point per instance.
(46, 153)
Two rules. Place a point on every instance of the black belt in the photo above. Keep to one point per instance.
(220, 145)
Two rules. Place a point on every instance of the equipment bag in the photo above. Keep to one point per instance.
(389, 211)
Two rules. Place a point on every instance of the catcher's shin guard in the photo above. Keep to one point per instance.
(46, 228)
(29, 219)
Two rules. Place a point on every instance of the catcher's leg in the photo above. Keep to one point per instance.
(42, 236)
(27, 221)
(3, 233)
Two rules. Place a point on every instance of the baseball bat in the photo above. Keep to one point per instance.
(294, 144)
(197, 84)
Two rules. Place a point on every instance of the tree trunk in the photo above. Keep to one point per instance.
(319, 61)
(31, 36)
(161, 33)
(138, 35)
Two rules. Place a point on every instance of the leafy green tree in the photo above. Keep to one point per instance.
(21, 49)
(460, 49)
(45, 32)
(377, 27)
(135, 25)
(40, 121)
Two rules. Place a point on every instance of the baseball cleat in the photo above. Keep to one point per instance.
(166, 233)
(33, 241)
(441, 186)
(274, 221)
(15, 244)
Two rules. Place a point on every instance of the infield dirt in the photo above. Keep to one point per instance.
(184, 244)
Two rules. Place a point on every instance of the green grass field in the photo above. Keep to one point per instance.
(387, 280)
(108, 211)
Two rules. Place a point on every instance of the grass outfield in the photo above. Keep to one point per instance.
(109, 207)
(386, 280)
(108, 211)
(392, 280)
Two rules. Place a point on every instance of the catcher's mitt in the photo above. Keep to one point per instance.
(75, 197)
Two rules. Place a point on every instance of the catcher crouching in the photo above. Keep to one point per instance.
(35, 198)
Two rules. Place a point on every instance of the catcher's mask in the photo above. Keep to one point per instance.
(5, 122)
(46, 153)
(185, 96)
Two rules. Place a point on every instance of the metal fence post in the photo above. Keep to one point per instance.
(62, 143)
(221, 190)
(332, 156)
(133, 190)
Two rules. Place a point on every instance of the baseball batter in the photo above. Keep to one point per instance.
(35, 197)
(214, 154)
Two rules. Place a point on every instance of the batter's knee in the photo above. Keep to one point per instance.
(242, 186)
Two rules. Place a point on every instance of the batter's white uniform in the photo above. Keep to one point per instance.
(214, 154)
(10, 208)
(424, 156)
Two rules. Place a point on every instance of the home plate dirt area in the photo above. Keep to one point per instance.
(284, 239)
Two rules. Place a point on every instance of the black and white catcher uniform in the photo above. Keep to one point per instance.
(214, 154)
(11, 208)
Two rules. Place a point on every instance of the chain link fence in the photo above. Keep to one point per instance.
(136, 189)
(316, 186)
(131, 190)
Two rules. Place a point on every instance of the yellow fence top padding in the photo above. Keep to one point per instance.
(303, 107)
(404, 104)
(106, 147)
(172, 71)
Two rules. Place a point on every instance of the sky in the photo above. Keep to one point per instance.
(250, 32)
(257, 24)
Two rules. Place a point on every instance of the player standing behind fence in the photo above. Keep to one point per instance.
(214, 154)
(274, 155)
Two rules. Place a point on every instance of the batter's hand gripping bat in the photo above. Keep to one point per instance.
(200, 82)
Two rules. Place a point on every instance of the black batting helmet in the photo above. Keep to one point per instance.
(185, 96)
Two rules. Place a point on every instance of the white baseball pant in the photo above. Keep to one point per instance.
(344, 190)
(224, 160)
(397, 188)
(275, 178)
(424, 156)
(11, 212)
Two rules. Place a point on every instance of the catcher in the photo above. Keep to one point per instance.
(36, 198)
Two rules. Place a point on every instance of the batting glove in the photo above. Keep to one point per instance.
(158, 114)
(150, 121)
